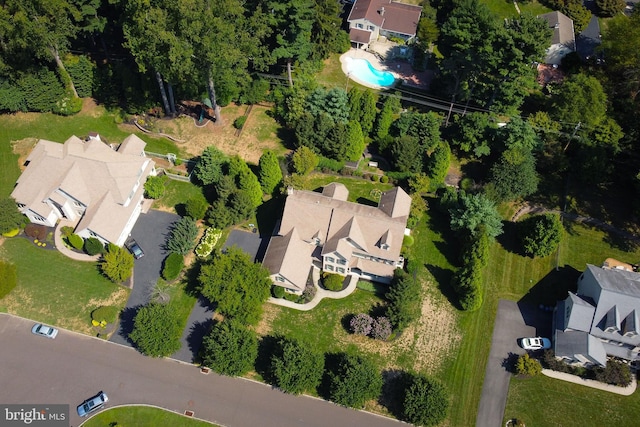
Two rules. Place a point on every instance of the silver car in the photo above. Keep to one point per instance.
(44, 330)
(92, 404)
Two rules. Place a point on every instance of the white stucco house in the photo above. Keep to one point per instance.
(89, 183)
(327, 232)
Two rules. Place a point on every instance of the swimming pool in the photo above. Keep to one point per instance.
(361, 69)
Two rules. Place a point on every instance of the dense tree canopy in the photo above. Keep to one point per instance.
(353, 380)
(425, 401)
(230, 348)
(270, 172)
(10, 217)
(237, 285)
(157, 330)
(296, 366)
(476, 213)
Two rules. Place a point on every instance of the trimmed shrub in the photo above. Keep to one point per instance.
(528, 366)
(173, 265)
(93, 246)
(36, 231)
(332, 282)
(11, 233)
(381, 328)
(154, 187)
(616, 373)
(196, 207)
(325, 164)
(8, 278)
(76, 241)
(66, 231)
(407, 241)
(360, 324)
(105, 313)
(384, 179)
(277, 291)
(291, 297)
(239, 122)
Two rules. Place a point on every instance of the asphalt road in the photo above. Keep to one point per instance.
(67, 370)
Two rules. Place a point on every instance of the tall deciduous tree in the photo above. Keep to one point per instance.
(236, 284)
(230, 348)
(425, 401)
(296, 366)
(353, 381)
(514, 176)
(541, 234)
(157, 330)
(304, 160)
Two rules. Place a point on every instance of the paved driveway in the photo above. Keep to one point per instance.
(247, 241)
(150, 232)
(73, 367)
(508, 327)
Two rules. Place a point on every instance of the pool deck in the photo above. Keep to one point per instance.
(400, 69)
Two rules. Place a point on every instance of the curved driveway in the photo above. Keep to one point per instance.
(73, 367)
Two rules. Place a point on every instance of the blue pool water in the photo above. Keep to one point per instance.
(361, 69)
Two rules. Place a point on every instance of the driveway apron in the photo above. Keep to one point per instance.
(509, 326)
(151, 231)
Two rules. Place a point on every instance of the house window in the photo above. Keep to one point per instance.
(279, 279)
(341, 262)
(329, 259)
(340, 270)
(328, 267)
(370, 27)
(359, 26)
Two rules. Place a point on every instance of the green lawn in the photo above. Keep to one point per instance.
(360, 190)
(55, 289)
(59, 129)
(506, 9)
(142, 416)
(333, 76)
(176, 195)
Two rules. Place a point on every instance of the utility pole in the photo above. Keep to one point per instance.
(572, 135)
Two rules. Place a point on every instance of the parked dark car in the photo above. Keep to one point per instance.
(92, 404)
(134, 248)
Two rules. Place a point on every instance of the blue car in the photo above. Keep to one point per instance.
(92, 404)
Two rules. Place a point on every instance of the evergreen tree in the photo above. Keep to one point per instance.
(270, 172)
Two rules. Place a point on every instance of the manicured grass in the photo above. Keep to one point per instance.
(58, 128)
(142, 416)
(506, 9)
(543, 401)
(55, 289)
(360, 190)
(333, 76)
(514, 277)
(176, 194)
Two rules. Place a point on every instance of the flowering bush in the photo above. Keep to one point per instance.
(208, 242)
(361, 324)
(381, 328)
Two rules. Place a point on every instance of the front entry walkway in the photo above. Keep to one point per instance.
(320, 293)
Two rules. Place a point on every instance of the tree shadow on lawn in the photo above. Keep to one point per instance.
(443, 278)
(509, 239)
(393, 390)
(266, 347)
(535, 305)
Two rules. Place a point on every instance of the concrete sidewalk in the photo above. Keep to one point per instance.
(320, 293)
(57, 235)
(624, 391)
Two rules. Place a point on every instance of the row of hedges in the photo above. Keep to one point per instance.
(615, 373)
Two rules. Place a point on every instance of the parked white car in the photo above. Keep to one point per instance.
(537, 343)
(44, 330)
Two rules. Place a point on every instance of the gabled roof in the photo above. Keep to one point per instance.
(571, 343)
(395, 203)
(389, 15)
(284, 256)
(562, 25)
(89, 172)
(336, 191)
(581, 316)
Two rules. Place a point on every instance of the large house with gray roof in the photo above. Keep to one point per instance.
(89, 183)
(601, 319)
(327, 232)
(563, 40)
(370, 19)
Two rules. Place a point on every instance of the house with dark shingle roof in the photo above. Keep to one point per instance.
(601, 319)
(88, 183)
(327, 232)
(370, 19)
(563, 40)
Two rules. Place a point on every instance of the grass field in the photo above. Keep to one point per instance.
(142, 416)
(360, 190)
(506, 8)
(55, 289)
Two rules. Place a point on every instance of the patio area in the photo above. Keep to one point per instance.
(386, 56)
